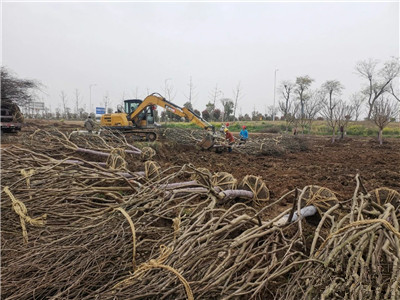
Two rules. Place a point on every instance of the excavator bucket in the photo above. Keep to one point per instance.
(207, 142)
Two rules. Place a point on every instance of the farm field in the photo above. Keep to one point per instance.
(329, 165)
(85, 217)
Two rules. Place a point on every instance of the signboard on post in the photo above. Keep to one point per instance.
(100, 110)
(37, 105)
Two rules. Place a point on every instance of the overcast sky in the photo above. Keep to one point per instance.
(130, 49)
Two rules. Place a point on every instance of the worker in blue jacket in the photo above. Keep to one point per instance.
(244, 135)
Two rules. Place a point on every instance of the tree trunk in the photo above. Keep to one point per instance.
(369, 112)
(232, 194)
(380, 137)
(94, 152)
(333, 135)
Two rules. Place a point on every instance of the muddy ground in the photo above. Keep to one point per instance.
(329, 165)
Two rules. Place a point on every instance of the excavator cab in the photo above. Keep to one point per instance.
(145, 119)
(131, 105)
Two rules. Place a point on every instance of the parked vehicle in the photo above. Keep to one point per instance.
(11, 118)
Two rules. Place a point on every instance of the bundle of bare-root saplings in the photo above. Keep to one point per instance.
(79, 222)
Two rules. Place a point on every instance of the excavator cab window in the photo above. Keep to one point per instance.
(131, 105)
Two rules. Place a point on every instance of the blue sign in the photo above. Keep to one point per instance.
(100, 110)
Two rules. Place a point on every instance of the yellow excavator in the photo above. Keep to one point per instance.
(137, 118)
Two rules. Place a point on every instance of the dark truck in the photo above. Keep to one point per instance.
(10, 118)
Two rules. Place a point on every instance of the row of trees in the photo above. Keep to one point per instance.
(301, 104)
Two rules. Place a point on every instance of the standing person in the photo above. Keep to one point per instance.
(230, 139)
(89, 124)
(244, 135)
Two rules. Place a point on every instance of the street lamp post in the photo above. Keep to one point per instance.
(90, 97)
(165, 96)
(273, 113)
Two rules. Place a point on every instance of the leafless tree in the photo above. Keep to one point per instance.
(384, 111)
(68, 113)
(287, 89)
(345, 113)
(330, 112)
(312, 107)
(332, 88)
(293, 116)
(228, 106)
(237, 95)
(215, 94)
(192, 93)
(271, 111)
(330, 107)
(81, 113)
(378, 82)
(64, 101)
(394, 92)
(58, 112)
(170, 92)
(16, 90)
(357, 100)
(303, 83)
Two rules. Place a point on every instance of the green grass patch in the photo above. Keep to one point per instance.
(359, 128)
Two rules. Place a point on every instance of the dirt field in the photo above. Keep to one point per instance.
(330, 165)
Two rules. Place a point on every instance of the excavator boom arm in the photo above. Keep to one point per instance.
(157, 99)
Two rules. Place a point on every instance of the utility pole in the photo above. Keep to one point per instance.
(273, 113)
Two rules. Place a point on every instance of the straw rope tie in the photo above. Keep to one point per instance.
(392, 194)
(126, 215)
(152, 169)
(147, 153)
(21, 210)
(224, 180)
(27, 175)
(116, 159)
(159, 263)
(176, 224)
